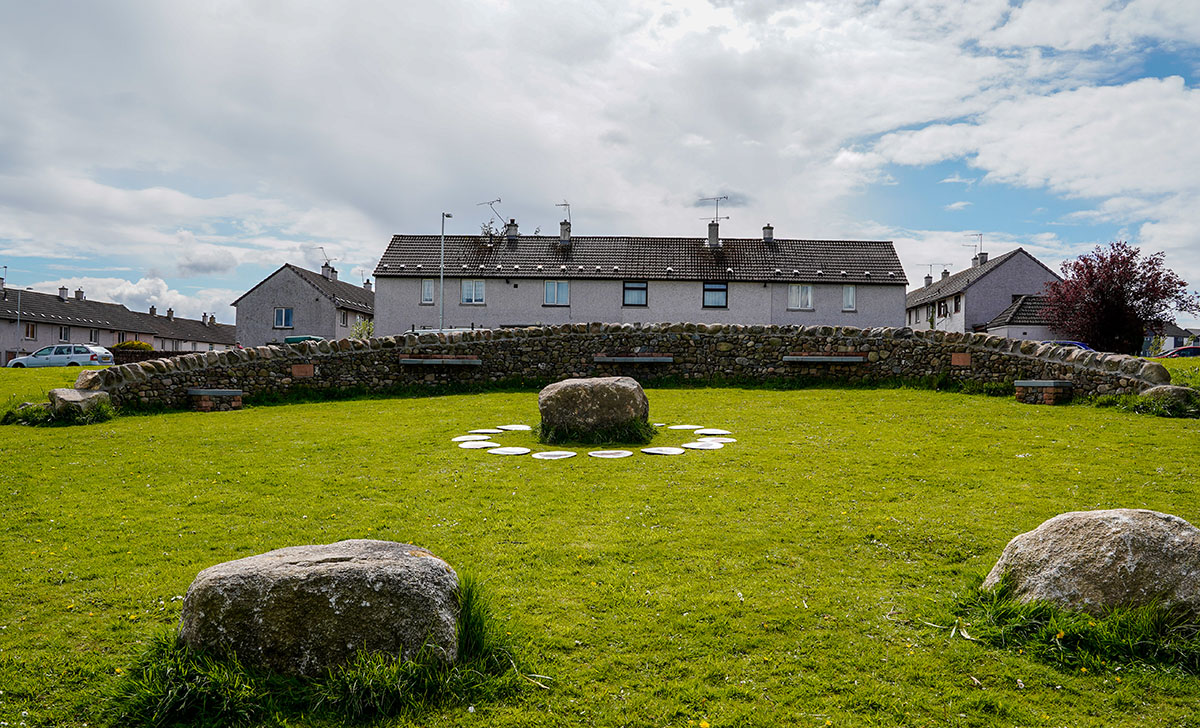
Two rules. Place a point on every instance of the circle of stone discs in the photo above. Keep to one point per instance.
(685, 427)
(469, 438)
(509, 451)
(663, 450)
(712, 431)
(703, 445)
(523, 428)
(478, 444)
(609, 453)
(555, 455)
(487, 431)
(716, 439)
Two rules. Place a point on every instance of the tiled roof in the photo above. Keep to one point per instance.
(1025, 311)
(960, 281)
(343, 294)
(738, 259)
(49, 308)
(190, 329)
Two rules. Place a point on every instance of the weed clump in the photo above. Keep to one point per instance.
(40, 415)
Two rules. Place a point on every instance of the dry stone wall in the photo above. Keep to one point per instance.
(684, 351)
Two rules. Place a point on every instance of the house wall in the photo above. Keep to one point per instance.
(955, 322)
(520, 302)
(13, 343)
(1032, 333)
(988, 296)
(312, 313)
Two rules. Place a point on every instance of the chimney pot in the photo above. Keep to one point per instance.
(511, 230)
(983, 257)
(564, 233)
(170, 314)
(367, 285)
(945, 274)
(62, 293)
(328, 272)
(153, 311)
(714, 235)
(768, 233)
(975, 261)
(79, 294)
(928, 279)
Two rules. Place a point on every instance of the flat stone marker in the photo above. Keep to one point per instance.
(609, 453)
(469, 438)
(716, 439)
(703, 445)
(660, 424)
(663, 450)
(685, 427)
(515, 428)
(554, 455)
(712, 431)
(478, 444)
(509, 451)
(486, 431)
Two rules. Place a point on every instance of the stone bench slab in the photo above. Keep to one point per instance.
(821, 359)
(602, 359)
(442, 362)
(1043, 383)
(214, 392)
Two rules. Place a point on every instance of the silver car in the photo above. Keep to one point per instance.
(65, 355)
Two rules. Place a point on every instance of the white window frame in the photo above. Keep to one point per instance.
(93, 336)
(284, 318)
(472, 292)
(64, 333)
(556, 293)
(345, 317)
(428, 287)
(850, 297)
(30, 331)
(800, 297)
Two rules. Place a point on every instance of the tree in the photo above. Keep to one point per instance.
(363, 329)
(1110, 297)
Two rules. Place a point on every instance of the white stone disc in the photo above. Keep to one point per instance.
(712, 431)
(478, 444)
(555, 455)
(469, 438)
(663, 450)
(660, 424)
(703, 445)
(685, 427)
(609, 453)
(486, 431)
(509, 451)
(519, 428)
(716, 439)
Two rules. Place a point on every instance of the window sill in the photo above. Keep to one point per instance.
(556, 305)
(715, 307)
(849, 310)
(810, 309)
(425, 303)
(471, 304)
(635, 305)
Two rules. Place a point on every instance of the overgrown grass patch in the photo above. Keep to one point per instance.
(633, 432)
(172, 684)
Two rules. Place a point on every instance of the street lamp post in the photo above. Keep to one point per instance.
(442, 277)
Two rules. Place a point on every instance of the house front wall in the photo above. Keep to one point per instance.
(13, 342)
(1019, 275)
(1033, 333)
(312, 313)
(516, 302)
(919, 317)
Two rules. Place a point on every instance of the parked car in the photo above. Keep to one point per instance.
(1182, 351)
(1076, 344)
(65, 355)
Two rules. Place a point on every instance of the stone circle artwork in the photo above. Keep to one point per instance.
(509, 451)
(609, 454)
(470, 438)
(554, 455)
(685, 427)
(703, 445)
(663, 450)
(722, 440)
(487, 431)
(711, 431)
(478, 445)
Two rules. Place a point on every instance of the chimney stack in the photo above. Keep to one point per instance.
(153, 311)
(62, 293)
(212, 319)
(714, 235)
(928, 279)
(945, 274)
(510, 230)
(79, 294)
(768, 233)
(170, 314)
(564, 234)
(328, 271)
(367, 285)
(975, 261)
(982, 257)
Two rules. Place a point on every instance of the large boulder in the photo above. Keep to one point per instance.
(78, 401)
(303, 609)
(595, 404)
(1172, 395)
(1094, 561)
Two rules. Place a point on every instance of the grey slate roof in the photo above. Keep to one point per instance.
(343, 294)
(642, 258)
(49, 308)
(960, 281)
(189, 329)
(1025, 311)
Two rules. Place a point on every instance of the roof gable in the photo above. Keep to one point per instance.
(1024, 311)
(341, 293)
(964, 279)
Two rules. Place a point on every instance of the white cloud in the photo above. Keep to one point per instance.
(960, 205)
(140, 295)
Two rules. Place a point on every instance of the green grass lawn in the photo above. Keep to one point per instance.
(1184, 371)
(32, 385)
(782, 580)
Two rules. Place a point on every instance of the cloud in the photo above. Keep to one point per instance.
(143, 293)
(956, 179)
(960, 205)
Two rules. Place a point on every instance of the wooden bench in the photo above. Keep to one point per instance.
(1044, 391)
(215, 400)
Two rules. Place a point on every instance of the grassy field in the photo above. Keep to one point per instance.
(783, 580)
(1183, 371)
(31, 385)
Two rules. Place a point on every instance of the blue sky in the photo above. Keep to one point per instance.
(173, 154)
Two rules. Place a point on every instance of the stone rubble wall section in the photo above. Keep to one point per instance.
(550, 353)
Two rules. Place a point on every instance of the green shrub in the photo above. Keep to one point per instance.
(133, 346)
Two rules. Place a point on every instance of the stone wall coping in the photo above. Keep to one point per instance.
(1043, 383)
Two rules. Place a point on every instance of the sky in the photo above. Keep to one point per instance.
(175, 154)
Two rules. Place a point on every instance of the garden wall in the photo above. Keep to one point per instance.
(647, 352)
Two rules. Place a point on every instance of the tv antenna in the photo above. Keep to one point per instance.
(931, 266)
(325, 255)
(717, 202)
(492, 204)
(567, 205)
(976, 246)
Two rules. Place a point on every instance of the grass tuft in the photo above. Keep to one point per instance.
(634, 432)
(173, 684)
(1159, 407)
(40, 415)
(1150, 637)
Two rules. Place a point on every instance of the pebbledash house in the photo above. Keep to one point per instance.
(510, 279)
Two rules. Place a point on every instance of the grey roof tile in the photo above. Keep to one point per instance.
(49, 308)
(1024, 311)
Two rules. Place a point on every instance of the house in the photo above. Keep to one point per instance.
(294, 301)
(1172, 336)
(968, 300)
(518, 280)
(1025, 318)
(174, 334)
(30, 320)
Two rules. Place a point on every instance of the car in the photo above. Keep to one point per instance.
(1181, 351)
(65, 355)
(1076, 344)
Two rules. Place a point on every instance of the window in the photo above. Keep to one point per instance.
(175, 345)
(283, 318)
(472, 292)
(210, 346)
(64, 333)
(848, 298)
(62, 350)
(958, 303)
(928, 311)
(716, 295)
(47, 351)
(30, 331)
(635, 293)
(427, 288)
(80, 350)
(193, 346)
(558, 293)
(345, 318)
(942, 309)
(800, 296)
(93, 336)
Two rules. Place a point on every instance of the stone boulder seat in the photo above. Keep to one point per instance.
(593, 404)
